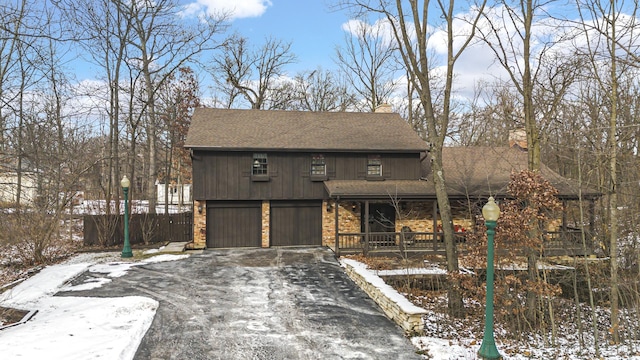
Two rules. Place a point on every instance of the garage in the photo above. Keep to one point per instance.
(234, 224)
(296, 223)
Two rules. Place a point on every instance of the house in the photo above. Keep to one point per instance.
(9, 187)
(178, 194)
(272, 178)
(351, 181)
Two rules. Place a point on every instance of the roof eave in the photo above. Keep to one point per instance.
(325, 150)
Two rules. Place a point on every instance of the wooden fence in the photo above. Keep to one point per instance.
(108, 230)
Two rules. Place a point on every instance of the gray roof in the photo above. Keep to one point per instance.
(388, 189)
(239, 130)
(478, 171)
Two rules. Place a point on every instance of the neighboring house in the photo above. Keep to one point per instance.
(351, 181)
(9, 188)
(178, 194)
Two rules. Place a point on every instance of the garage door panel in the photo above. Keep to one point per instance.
(234, 224)
(296, 223)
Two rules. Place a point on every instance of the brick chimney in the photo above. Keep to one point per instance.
(518, 137)
(383, 108)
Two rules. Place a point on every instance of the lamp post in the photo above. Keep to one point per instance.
(126, 250)
(488, 350)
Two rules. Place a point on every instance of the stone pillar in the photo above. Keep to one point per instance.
(266, 222)
(328, 223)
(199, 224)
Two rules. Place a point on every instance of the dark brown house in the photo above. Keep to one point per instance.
(351, 181)
(271, 178)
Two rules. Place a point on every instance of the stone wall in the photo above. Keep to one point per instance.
(199, 224)
(328, 224)
(348, 220)
(265, 223)
(394, 305)
(418, 215)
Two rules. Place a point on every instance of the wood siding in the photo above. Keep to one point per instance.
(227, 175)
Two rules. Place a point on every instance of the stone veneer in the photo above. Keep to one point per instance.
(395, 306)
(417, 215)
(199, 225)
(348, 220)
(266, 220)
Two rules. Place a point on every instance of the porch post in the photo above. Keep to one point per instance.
(435, 225)
(337, 225)
(563, 229)
(366, 225)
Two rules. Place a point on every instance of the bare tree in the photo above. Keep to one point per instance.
(103, 29)
(159, 46)
(321, 90)
(411, 32)
(612, 42)
(511, 32)
(368, 62)
(253, 75)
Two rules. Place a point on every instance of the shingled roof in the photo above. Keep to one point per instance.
(388, 189)
(479, 171)
(247, 130)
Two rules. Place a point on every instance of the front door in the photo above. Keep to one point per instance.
(382, 224)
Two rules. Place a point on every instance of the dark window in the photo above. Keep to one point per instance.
(259, 167)
(374, 166)
(318, 165)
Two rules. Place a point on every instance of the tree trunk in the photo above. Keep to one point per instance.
(613, 191)
(455, 303)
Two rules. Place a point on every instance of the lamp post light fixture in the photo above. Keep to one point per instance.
(488, 349)
(126, 250)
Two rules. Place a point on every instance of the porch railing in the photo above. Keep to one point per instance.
(564, 242)
(567, 241)
(394, 241)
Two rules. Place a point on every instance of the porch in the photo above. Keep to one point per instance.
(566, 242)
(403, 216)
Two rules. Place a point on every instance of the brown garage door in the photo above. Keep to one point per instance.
(234, 224)
(296, 223)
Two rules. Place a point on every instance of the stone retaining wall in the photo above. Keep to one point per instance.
(394, 305)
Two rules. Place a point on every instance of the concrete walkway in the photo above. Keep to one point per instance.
(258, 304)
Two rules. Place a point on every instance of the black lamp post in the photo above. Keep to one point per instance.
(126, 250)
(488, 349)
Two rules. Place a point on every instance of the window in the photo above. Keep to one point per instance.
(259, 167)
(318, 165)
(374, 166)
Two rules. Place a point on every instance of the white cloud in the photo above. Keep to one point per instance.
(236, 9)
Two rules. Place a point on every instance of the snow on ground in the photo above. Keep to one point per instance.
(112, 328)
(448, 341)
(77, 327)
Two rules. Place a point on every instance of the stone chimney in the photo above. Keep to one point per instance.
(383, 108)
(518, 137)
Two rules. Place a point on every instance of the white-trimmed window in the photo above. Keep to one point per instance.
(259, 166)
(318, 165)
(374, 166)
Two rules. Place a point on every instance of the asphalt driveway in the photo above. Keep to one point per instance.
(258, 304)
